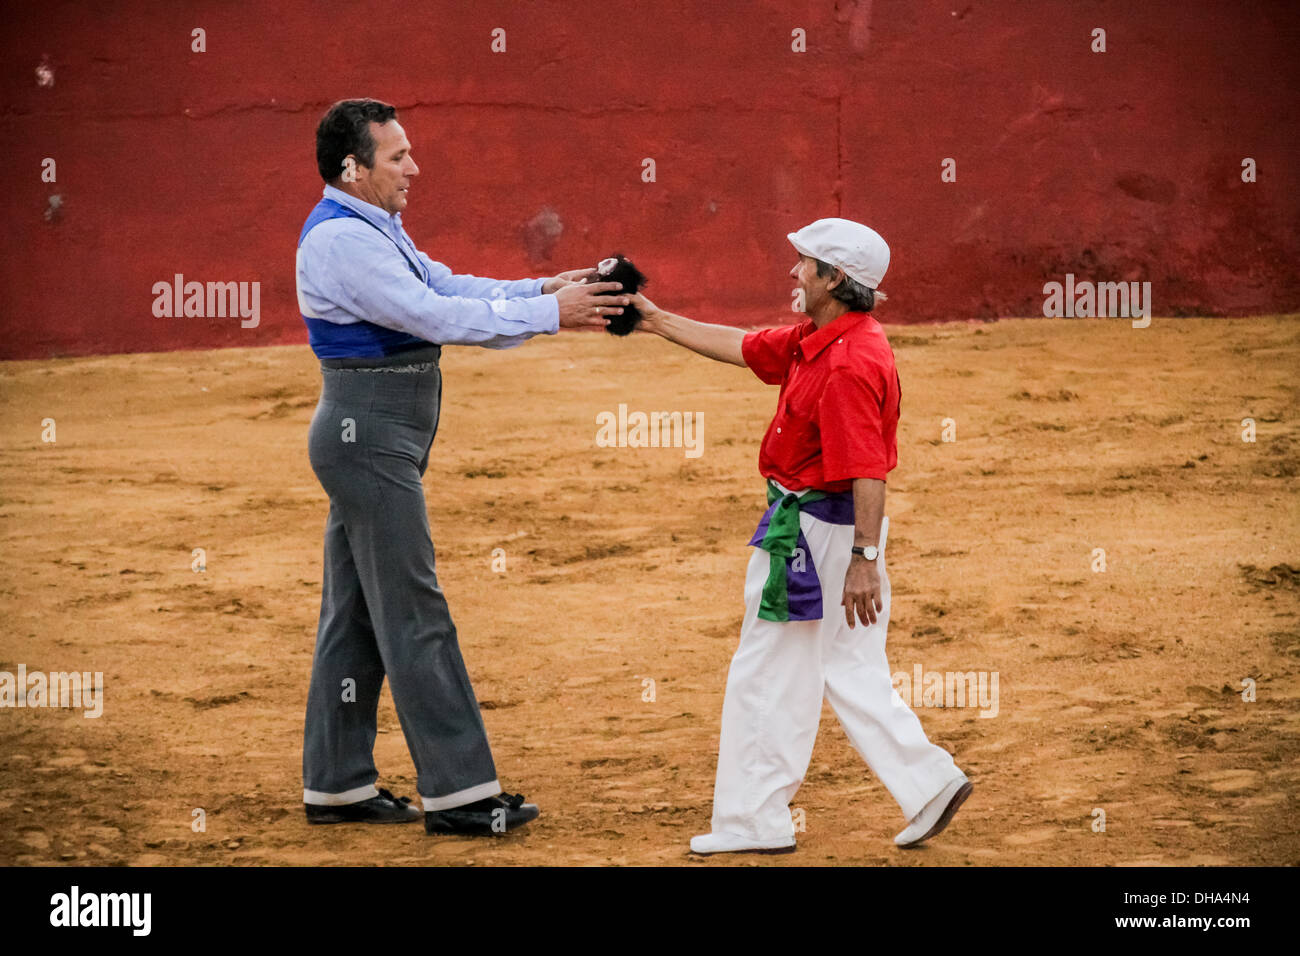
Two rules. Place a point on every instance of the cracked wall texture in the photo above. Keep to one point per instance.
(1123, 165)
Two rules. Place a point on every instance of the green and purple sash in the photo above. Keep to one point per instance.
(793, 591)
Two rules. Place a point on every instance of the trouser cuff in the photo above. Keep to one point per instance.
(461, 797)
(356, 795)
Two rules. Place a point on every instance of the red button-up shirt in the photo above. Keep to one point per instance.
(837, 415)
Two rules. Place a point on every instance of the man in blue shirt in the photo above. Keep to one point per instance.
(377, 312)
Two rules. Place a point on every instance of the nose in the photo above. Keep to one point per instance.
(413, 169)
(794, 272)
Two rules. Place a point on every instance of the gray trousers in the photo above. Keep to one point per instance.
(382, 612)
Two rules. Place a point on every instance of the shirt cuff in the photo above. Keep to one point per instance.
(548, 313)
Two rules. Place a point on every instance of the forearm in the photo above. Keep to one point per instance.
(359, 275)
(718, 342)
(481, 287)
(868, 511)
(863, 598)
(450, 320)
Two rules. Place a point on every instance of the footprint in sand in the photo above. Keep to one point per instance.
(1229, 781)
(36, 839)
(72, 757)
(1035, 835)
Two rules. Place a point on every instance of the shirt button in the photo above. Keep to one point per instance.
(839, 342)
(778, 429)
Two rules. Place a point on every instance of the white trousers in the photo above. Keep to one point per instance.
(773, 704)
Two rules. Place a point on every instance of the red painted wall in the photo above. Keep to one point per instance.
(1117, 165)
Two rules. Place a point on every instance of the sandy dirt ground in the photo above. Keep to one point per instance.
(1120, 691)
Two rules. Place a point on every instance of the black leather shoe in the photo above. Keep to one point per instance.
(493, 815)
(384, 808)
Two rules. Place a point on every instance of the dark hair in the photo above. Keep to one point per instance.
(850, 291)
(345, 130)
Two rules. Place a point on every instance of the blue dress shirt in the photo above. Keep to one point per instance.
(351, 271)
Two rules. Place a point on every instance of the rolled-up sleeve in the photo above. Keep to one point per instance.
(768, 352)
(852, 429)
(359, 272)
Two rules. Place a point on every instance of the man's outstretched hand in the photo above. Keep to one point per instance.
(585, 306)
(651, 315)
(723, 343)
(556, 283)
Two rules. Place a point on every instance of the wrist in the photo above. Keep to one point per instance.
(655, 322)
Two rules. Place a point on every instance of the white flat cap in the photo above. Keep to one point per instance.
(847, 245)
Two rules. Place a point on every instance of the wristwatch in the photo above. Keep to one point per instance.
(869, 552)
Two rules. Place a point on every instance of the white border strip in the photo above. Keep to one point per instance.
(316, 798)
(462, 797)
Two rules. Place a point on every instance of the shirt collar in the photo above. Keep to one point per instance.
(816, 341)
(373, 213)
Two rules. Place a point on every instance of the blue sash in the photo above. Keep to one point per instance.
(329, 340)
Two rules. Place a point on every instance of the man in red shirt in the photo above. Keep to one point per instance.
(825, 456)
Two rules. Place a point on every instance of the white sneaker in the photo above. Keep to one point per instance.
(730, 843)
(936, 814)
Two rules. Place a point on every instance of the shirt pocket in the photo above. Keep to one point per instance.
(795, 436)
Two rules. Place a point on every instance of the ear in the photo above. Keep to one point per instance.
(352, 170)
(836, 280)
